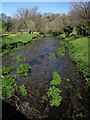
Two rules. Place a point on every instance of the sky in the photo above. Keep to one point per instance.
(10, 8)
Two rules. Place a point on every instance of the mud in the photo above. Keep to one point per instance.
(74, 105)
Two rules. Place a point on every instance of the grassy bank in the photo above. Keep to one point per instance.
(15, 41)
(78, 52)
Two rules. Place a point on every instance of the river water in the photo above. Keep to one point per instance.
(42, 64)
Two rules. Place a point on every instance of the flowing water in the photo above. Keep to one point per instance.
(42, 64)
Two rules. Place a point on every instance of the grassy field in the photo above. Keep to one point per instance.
(78, 51)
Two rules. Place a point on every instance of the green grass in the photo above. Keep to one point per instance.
(24, 69)
(14, 38)
(78, 51)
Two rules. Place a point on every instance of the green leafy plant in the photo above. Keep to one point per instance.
(6, 52)
(8, 86)
(23, 90)
(61, 36)
(20, 58)
(53, 95)
(61, 51)
(51, 54)
(56, 79)
(24, 69)
(7, 70)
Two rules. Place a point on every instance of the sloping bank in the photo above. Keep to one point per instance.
(78, 52)
(13, 42)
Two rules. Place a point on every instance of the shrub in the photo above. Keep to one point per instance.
(8, 86)
(20, 58)
(24, 69)
(56, 79)
(23, 90)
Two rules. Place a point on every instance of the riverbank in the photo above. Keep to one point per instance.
(43, 64)
(78, 51)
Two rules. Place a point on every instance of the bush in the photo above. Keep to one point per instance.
(23, 90)
(24, 69)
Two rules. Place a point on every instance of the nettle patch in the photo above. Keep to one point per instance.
(53, 94)
(24, 69)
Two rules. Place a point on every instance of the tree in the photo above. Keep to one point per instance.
(80, 15)
(7, 24)
(27, 18)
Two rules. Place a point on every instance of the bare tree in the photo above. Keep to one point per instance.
(80, 16)
(27, 17)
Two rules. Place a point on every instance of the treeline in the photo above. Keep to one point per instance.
(77, 21)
